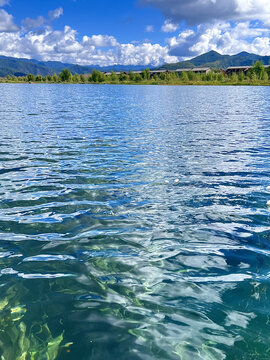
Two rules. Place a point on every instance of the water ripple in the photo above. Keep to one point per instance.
(133, 222)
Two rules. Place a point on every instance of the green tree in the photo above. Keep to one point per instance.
(146, 74)
(113, 77)
(30, 77)
(131, 76)
(249, 73)
(76, 78)
(90, 78)
(254, 77)
(241, 76)
(82, 78)
(65, 76)
(220, 77)
(265, 77)
(38, 78)
(162, 76)
(191, 75)
(198, 77)
(123, 77)
(48, 78)
(184, 76)
(97, 76)
(172, 76)
(138, 78)
(234, 78)
(102, 77)
(55, 78)
(210, 76)
(258, 69)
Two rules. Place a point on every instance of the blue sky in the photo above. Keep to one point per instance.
(124, 19)
(137, 32)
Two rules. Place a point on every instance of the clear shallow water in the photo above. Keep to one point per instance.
(103, 255)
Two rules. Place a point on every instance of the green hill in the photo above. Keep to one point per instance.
(20, 67)
(215, 60)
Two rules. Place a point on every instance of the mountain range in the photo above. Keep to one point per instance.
(217, 61)
(21, 67)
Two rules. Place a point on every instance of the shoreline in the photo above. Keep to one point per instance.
(138, 84)
(257, 75)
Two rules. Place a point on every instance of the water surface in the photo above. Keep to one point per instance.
(133, 222)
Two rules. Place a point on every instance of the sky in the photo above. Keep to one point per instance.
(132, 32)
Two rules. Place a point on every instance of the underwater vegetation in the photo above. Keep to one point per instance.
(21, 342)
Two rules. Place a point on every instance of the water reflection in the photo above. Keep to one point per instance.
(133, 222)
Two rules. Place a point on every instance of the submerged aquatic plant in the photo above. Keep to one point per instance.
(19, 342)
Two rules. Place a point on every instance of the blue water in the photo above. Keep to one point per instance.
(133, 222)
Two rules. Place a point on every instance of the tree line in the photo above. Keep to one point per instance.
(257, 74)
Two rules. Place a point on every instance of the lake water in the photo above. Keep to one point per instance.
(133, 222)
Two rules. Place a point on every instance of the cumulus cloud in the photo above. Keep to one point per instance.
(37, 39)
(169, 26)
(100, 41)
(227, 26)
(48, 44)
(225, 37)
(6, 22)
(144, 54)
(196, 12)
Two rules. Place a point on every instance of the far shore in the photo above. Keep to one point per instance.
(257, 75)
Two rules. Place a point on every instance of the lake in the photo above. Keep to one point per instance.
(133, 222)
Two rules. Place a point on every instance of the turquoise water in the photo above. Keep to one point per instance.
(133, 222)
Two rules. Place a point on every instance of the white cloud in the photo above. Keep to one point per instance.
(227, 26)
(55, 14)
(36, 39)
(149, 28)
(48, 44)
(224, 37)
(169, 26)
(195, 12)
(144, 54)
(100, 41)
(6, 22)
